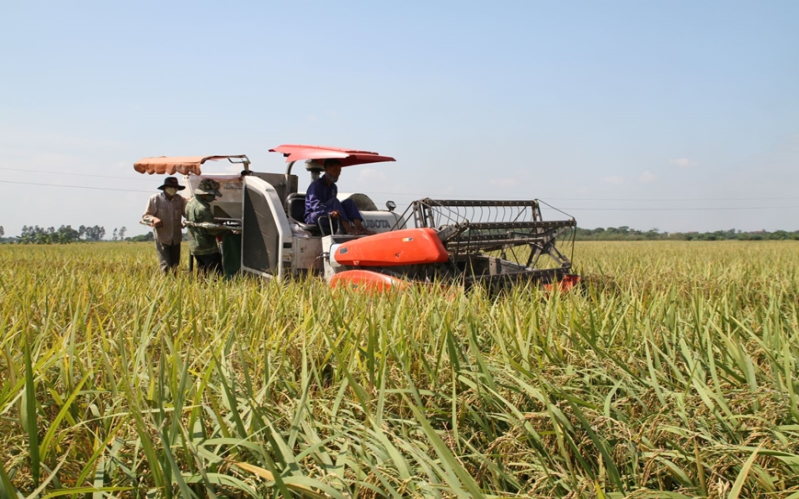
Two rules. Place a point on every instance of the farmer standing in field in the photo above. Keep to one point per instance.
(320, 200)
(202, 241)
(163, 215)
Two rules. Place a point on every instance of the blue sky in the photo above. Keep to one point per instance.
(677, 115)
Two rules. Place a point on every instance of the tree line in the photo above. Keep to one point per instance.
(66, 234)
(625, 233)
(33, 234)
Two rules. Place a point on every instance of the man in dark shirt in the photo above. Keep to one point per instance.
(320, 200)
(163, 214)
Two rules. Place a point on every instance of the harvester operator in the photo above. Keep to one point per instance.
(202, 241)
(320, 200)
(163, 214)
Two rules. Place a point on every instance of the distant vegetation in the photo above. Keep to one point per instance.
(625, 233)
(65, 234)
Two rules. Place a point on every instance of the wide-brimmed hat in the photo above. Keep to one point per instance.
(208, 186)
(172, 182)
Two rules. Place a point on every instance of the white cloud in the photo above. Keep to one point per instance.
(646, 177)
(684, 162)
(613, 180)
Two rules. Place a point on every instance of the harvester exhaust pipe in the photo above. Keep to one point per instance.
(315, 168)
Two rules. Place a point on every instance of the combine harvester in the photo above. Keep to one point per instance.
(496, 244)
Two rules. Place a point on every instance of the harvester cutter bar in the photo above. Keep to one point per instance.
(513, 231)
(505, 281)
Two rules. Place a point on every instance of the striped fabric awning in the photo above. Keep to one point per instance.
(181, 164)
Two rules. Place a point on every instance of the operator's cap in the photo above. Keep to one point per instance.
(171, 182)
(208, 186)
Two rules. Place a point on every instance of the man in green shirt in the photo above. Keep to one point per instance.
(202, 241)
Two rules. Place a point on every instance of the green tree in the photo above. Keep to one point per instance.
(143, 237)
(66, 234)
(95, 233)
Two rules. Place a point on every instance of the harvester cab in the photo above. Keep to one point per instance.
(496, 244)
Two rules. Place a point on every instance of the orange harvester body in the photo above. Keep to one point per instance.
(399, 247)
(367, 280)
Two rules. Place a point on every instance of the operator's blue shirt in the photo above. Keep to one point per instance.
(317, 198)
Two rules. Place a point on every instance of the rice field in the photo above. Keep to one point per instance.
(673, 373)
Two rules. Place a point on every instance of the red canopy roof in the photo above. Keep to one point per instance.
(348, 157)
